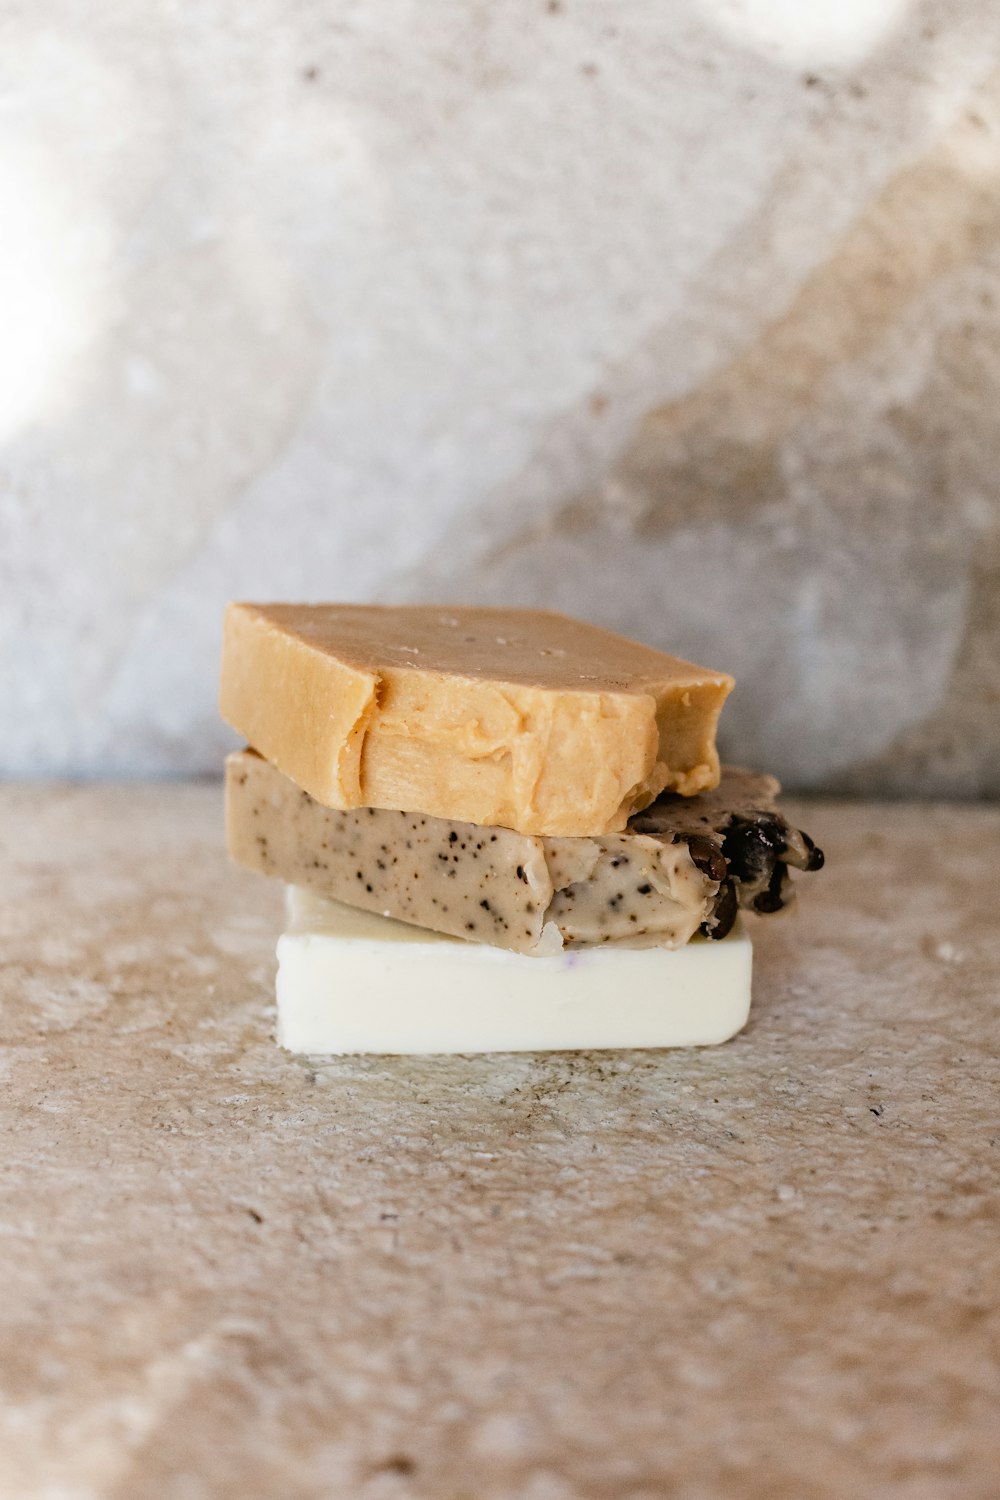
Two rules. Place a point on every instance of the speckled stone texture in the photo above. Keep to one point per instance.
(766, 1270)
(683, 316)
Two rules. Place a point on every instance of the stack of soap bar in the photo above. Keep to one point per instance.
(352, 982)
(537, 800)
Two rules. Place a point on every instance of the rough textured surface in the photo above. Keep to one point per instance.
(767, 1270)
(678, 316)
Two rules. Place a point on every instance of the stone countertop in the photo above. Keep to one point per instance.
(764, 1270)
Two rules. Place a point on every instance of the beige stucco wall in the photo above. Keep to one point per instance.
(682, 316)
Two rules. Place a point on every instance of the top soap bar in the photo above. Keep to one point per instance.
(510, 717)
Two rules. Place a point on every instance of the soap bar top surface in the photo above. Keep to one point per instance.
(502, 717)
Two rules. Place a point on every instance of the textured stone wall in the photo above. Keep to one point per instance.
(684, 316)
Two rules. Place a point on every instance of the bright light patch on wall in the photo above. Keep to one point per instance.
(809, 33)
(47, 293)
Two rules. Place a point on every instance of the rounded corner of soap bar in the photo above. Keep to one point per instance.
(351, 982)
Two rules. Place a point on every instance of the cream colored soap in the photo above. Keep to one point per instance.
(352, 982)
(513, 718)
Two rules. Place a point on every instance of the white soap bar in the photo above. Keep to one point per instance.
(349, 981)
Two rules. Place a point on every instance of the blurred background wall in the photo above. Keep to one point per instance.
(683, 315)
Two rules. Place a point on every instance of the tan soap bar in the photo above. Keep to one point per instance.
(520, 719)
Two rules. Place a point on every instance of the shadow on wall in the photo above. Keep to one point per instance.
(819, 516)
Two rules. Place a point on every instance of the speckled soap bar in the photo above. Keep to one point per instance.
(491, 885)
(684, 864)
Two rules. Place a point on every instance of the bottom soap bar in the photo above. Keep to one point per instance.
(350, 981)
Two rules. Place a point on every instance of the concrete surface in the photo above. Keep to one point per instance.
(768, 1270)
(685, 316)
